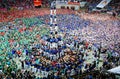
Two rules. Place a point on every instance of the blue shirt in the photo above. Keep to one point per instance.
(13, 51)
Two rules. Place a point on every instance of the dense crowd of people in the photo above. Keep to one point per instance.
(28, 49)
(107, 34)
(20, 4)
(27, 13)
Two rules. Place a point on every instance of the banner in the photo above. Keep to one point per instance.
(103, 3)
(74, 3)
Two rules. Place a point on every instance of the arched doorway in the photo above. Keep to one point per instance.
(73, 8)
(62, 7)
(67, 7)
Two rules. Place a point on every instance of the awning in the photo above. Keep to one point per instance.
(103, 3)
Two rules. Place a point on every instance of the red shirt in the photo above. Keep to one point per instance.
(54, 63)
(2, 33)
(19, 52)
(86, 44)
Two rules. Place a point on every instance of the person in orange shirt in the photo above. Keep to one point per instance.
(37, 3)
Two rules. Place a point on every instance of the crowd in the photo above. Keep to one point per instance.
(27, 13)
(30, 50)
(104, 30)
(20, 4)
